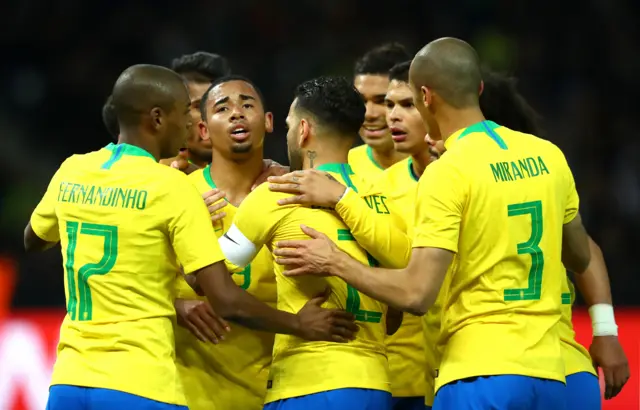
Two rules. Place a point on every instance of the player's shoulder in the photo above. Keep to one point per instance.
(75, 161)
(357, 152)
(263, 198)
(198, 180)
(196, 175)
(397, 169)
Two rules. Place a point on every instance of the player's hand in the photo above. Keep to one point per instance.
(606, 353)
(436, 148)
(193, 283)
(309, 187)
(215, 201)
(307, 256)
(201, 320)
(319, 324)
(270, 168)
(180, 162)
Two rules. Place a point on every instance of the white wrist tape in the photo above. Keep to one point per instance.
(343, 194)
(603, 322)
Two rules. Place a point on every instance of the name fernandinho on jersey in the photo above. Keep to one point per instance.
(113, 197)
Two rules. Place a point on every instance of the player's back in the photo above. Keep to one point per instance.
(503, 304)
(301, 367)
(114, 209)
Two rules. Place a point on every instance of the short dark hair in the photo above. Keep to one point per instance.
(110, 119)
(379, 60)
(201, 67)
(334, 102)
(501, 102)
(226, 79)
(400, 72)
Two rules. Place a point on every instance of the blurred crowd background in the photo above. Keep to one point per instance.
(577, 64)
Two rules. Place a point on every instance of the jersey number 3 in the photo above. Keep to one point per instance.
(79, 305)
(531, 247)
(353, 297)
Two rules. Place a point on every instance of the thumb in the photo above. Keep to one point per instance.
(311, 232)
(320, 298)
(175, 165)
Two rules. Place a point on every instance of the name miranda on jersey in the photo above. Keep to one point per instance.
(113, 197)
(524, 168)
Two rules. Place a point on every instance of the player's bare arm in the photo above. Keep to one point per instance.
(201, 320)
(309, 187)
(605, 349)
(311, 323)
(413, 289)
(576, 253)
(33, 243)
(313, 187)
(271, 168)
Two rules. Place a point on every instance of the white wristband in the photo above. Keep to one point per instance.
(343, 194)
(603, 322)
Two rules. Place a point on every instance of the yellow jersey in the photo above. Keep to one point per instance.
(576, 357)
(300, 367)
(498, 199)
(122, 219)
(363, 163)
(232, 374)
(412, 359)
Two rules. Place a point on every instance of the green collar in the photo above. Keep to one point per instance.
(338, 168)
(373, 160)
(412, 173)
(119, 150)
(335, 167)
(207, 177)
(128, 149)
(485, 127)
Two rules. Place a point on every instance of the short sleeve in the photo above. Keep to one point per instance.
(441, 197)
(44, 220)
(192, 238)
(253, 226)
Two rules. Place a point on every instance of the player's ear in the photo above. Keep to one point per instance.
(157, 117)
(481, 87)
(268, 122)
(203, 130)
(427, 96)
(304, 131)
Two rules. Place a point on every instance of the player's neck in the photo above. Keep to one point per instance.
(387, 157)
(313, 159)
(420, 162)
(235, 178)
(452, 120)
(198, 162)
(141, 141)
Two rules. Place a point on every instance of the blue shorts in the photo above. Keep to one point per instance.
(583, 392)
(341, 399)
(407, 403)
(64, 397)
(502, 393)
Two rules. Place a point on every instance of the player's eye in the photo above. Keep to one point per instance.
(221, 109)
(248, 105)
(408, 105)
(389, 104)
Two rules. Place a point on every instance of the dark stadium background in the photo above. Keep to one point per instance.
(578, 65)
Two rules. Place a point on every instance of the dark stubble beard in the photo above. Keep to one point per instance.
(295, 159)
